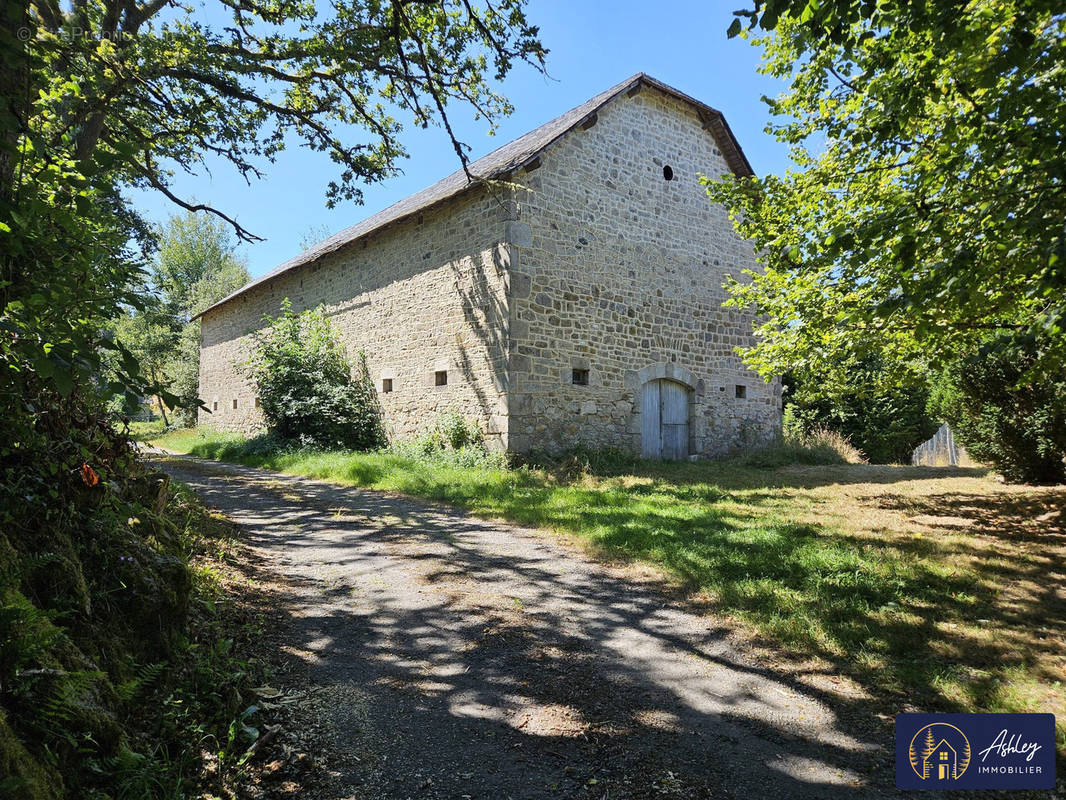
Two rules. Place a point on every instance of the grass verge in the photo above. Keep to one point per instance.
(937, 586)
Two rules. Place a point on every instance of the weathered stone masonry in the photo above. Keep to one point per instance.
(421, 297)
(589, 264)
(625, 272)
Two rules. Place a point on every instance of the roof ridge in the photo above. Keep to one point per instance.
(470, 166)
(507, 158)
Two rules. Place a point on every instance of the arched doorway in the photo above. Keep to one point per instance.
(664, 423)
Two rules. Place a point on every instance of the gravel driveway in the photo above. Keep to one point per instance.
(464, 658)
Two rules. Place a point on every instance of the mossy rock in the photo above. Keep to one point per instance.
(151, 490)
(157, 607)
(24, 777)
(60, 579)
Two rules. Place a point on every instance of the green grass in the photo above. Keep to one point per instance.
(929, 583)
(143, 431)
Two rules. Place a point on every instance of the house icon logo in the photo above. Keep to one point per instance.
(939, 752)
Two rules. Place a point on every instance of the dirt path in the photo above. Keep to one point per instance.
(459, 658)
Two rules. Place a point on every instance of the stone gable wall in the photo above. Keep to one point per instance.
(620, 271)
(424, 295)
(598, 264)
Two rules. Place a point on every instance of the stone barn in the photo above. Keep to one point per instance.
(570, 295)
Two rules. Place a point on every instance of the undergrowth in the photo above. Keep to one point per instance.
(116, 679)
(818, 447)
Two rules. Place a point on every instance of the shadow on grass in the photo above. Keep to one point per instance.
(449, 656)
(728, 474)
(969, 624)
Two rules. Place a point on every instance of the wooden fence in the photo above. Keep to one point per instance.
(940, 451)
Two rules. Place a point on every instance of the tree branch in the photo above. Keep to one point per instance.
(242, 233)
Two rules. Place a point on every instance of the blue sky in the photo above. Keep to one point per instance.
(593, 45)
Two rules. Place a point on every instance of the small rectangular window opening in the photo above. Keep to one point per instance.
(256, 402)
(440, 377)
(580, 377)
(234, 402)
(386, 385)
(742, 391)
(214, 406)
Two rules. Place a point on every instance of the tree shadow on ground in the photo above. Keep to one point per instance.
(1014, 546)
(480, 663)
(734, 474)
(501, 669)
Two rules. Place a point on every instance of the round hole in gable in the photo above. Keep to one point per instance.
(668, 172)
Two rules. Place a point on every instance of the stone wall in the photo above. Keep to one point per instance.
(424, 295)
(620, 272)
(599, 263)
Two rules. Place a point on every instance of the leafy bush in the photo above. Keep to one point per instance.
(471, 455)
(97, 608)
(451, 439)
(305, 385)
(1003, 418)
(453, 430)
(882, 413)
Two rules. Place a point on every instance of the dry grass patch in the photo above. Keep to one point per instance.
(1010, 653)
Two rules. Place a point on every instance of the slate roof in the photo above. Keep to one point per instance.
(500, 162)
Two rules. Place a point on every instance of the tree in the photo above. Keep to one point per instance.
(197, 263)
(96, 98)
(156, 92)
(313, 235)
(928, 204)
(882, 415)
(104, 96)
(196, 267)
(927, 750)
(305, 385)
(148, 334)
(1019, 428)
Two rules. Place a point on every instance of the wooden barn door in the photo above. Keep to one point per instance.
(664, 420)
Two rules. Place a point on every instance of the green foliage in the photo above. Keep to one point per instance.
(330, 79)
(196, 266)
(107, 97)
(314, 234)
(138, 776)
(101, 98)
(451, 439)
(928, 203)
(91, 577)
(884, 418)
(65, 269)
(108, 687)
(1017, 426)
(451, 430)
(305, 385)
(146, 430)
(148, 335)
